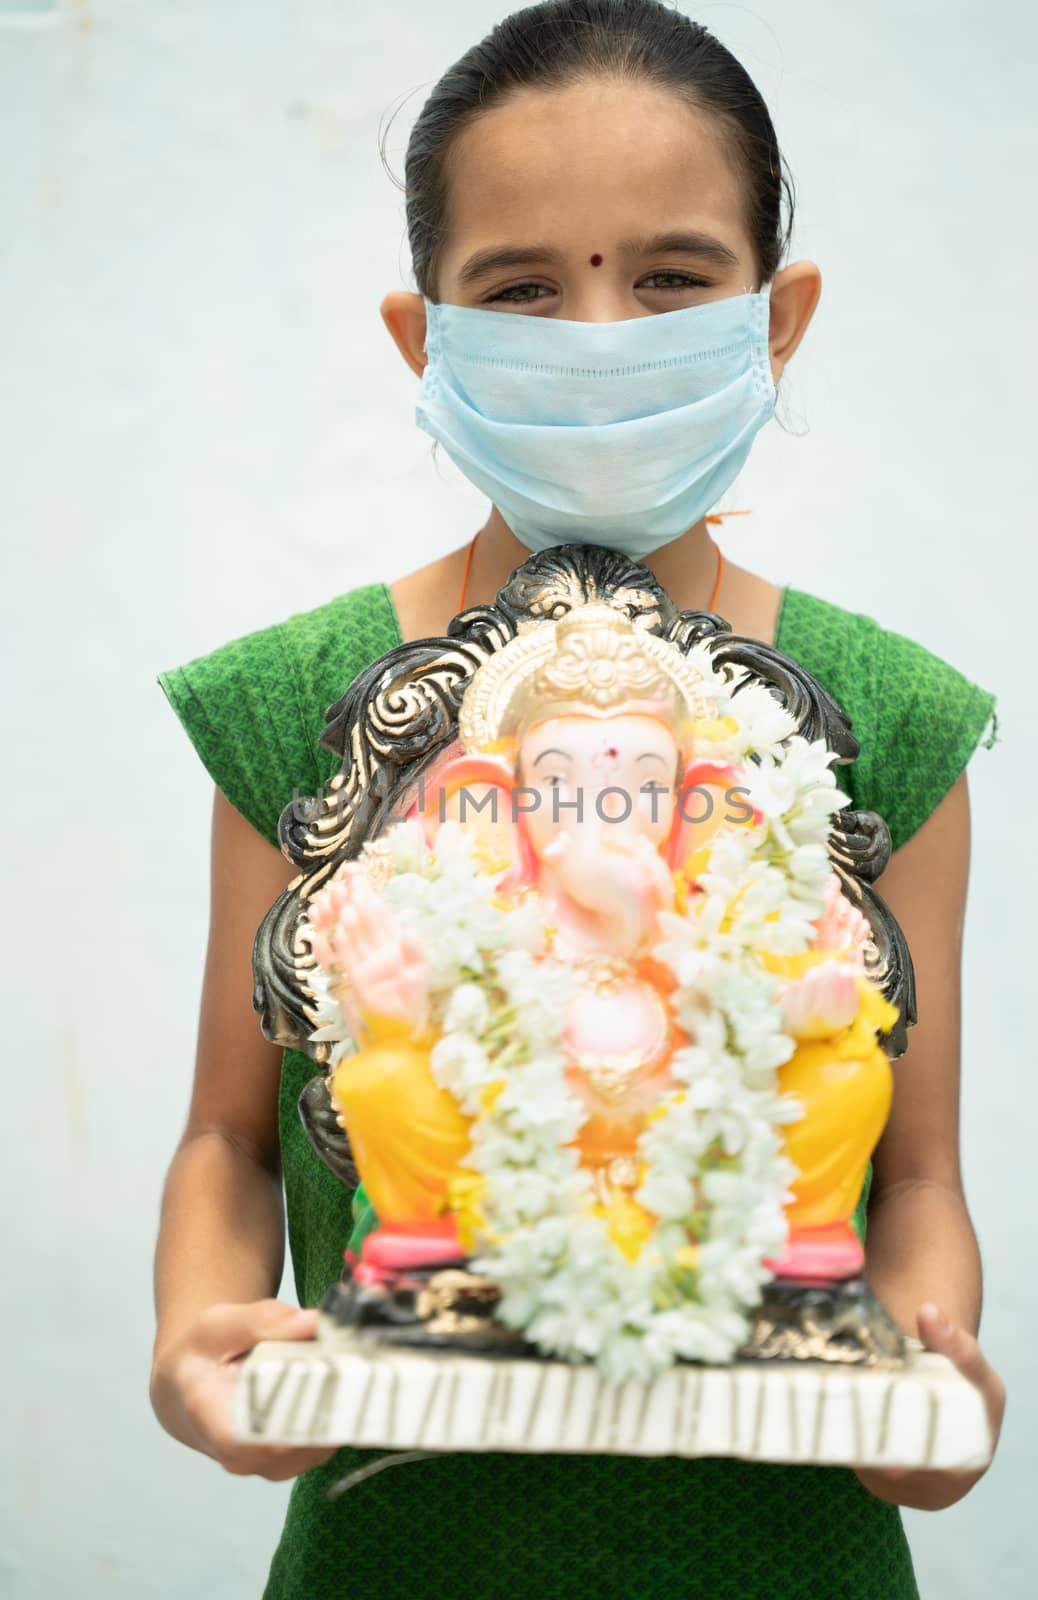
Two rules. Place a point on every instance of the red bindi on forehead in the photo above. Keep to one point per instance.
(596, 260)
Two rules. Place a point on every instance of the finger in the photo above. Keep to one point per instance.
(300, 1322)
(942, 1336)
(360, 920)
(371, 910)
(275, 1463)
(371, 935)
(225, 1331)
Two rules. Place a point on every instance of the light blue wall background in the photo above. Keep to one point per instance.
(204, 428)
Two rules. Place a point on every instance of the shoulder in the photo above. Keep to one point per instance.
(917, 718)
(253, 707)
(843, 649)
(353, 625)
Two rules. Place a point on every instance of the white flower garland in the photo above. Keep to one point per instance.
(713, 1177)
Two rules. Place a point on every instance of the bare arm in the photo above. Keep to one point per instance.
(220, 1247)
(922, 1256)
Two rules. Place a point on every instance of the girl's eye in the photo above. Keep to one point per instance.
(678, 280)
(520, 293)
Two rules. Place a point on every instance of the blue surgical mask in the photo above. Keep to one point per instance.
(620, 434)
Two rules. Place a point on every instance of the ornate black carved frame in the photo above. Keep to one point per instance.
(399, 715)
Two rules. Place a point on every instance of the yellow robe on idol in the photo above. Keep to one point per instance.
(844, 1082)
(407, 1134)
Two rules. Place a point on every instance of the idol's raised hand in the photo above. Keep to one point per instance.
(355, 933)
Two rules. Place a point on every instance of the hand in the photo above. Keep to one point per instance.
(926, 1490)
(193, 1380)
(358, 934)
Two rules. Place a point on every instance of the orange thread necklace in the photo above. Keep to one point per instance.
(715, 517)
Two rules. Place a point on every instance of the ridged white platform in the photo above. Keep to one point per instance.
(308, 1393)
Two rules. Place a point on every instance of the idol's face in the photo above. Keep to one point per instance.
(614, 777)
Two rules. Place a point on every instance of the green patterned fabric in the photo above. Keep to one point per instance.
(511, 1526)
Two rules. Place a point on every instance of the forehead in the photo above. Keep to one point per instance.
(589, 165)
(578, 733)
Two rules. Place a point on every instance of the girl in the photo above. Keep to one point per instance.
(592, 162)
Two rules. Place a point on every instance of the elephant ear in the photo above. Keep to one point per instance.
(711, 796)
(480, 793)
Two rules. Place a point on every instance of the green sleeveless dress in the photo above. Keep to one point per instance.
(512, 1526)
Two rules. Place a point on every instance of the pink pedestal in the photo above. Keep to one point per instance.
(821, 1255)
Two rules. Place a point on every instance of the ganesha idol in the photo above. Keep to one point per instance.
(652, 1017)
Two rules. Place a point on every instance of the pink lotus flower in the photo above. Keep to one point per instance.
(821, 1002)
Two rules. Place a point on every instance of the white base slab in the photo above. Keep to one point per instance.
(924, 1415)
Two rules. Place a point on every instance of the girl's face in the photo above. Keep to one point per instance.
(597, 203)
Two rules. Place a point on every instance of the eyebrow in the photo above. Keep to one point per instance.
(519, 255)
(682, 242)
(552, 751)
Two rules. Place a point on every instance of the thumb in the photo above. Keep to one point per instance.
(226, 1331)
(293, 1322)
(960, 1347)
(934, 1328)
(963, 1351)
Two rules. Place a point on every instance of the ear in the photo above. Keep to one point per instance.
(706, 802)
(794, 295)
(404, 316)
(478, 791)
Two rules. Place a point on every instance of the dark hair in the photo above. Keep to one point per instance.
(559, 42)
